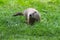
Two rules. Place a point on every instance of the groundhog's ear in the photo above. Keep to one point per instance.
(35, 12)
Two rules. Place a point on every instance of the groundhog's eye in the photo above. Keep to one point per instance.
(30, 15)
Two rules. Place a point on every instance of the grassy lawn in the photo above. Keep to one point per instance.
(14, 28)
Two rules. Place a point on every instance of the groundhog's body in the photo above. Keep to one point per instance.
(31, 15)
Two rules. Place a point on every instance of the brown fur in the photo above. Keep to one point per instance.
(19, 13)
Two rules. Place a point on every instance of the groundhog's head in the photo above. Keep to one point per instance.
(35, 16)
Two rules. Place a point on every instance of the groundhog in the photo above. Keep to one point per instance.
(31, 15)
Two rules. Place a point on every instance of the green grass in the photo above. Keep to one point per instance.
(14, 28)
